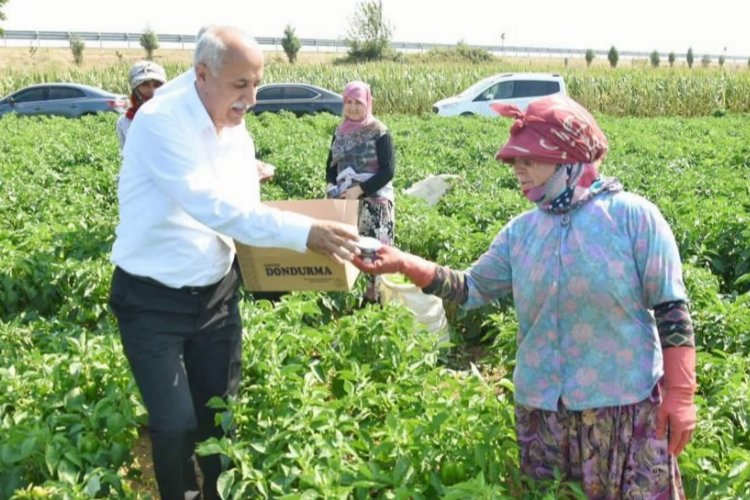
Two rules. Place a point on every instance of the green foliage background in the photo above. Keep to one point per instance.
(339, 401)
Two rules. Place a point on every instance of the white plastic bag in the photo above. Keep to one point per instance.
(427, 309)
(432, 188)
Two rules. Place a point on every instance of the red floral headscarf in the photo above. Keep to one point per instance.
(554, 129)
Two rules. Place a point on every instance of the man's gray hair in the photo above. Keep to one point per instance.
(211, 49)
(203, 29)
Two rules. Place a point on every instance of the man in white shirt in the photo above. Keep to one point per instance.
(187, 187)
(266, 171)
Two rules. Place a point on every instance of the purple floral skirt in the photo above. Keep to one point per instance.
(612, 452)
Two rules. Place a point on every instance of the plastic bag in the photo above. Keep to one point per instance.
(427, 309)
(432, 188)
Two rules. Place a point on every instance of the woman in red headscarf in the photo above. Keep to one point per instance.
(605, 363)
(360, 166)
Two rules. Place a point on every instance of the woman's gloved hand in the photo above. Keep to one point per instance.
(390, 259)
(677, 408)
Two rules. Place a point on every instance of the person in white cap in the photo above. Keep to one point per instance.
(144, 78)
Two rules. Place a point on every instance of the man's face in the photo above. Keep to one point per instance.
(228, 94)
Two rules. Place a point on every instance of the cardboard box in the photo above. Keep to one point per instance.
(279, 269)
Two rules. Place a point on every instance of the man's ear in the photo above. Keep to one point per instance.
(201, 71)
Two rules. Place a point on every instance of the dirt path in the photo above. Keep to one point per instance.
(145, 487)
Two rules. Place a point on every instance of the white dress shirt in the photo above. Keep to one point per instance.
(185, 191)
(184, 79)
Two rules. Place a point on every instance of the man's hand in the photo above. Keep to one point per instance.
(333, 239)
(265, 171)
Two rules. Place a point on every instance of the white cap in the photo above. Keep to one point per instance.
(143, 71)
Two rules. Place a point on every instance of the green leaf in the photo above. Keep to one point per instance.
(225, 484)
(67, 472)
(93, 485)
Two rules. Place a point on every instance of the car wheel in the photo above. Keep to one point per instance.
(467, 113)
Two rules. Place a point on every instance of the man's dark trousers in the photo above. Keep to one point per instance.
(184, 347)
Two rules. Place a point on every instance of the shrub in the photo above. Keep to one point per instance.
(150, 42)
(590, 55)
(654, 59)
(370, 34)
(460, 52)
(613, 56)
(290, 44)
(76, 47)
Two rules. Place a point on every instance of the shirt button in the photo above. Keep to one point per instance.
(565, 219)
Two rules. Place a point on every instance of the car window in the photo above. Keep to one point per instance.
(534, 88)
(65, 93)
(477, 87)
(501, 90)
(271, 93)
(31, 95)
(299, 93)
(504, 90)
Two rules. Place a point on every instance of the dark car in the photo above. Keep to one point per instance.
(62, 99)
(299, 98)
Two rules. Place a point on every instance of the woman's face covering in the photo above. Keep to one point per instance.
(531, 173)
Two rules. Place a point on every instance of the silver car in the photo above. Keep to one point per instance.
(63, 99)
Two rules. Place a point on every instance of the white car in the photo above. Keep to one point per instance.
(520, 89)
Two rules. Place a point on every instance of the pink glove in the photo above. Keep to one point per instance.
(677, 408)
(392, 260)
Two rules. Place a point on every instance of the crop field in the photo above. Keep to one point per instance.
(339, 400)
(413, 87)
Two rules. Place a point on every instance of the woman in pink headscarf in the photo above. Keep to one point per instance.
(605, 363)
(360, 166)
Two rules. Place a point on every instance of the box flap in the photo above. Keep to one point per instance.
(346, 211)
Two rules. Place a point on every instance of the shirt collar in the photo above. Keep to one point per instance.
(202, 120)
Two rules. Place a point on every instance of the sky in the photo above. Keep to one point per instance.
(709, 27)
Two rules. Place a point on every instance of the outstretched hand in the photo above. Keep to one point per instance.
(387, 260)
(333, 239)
